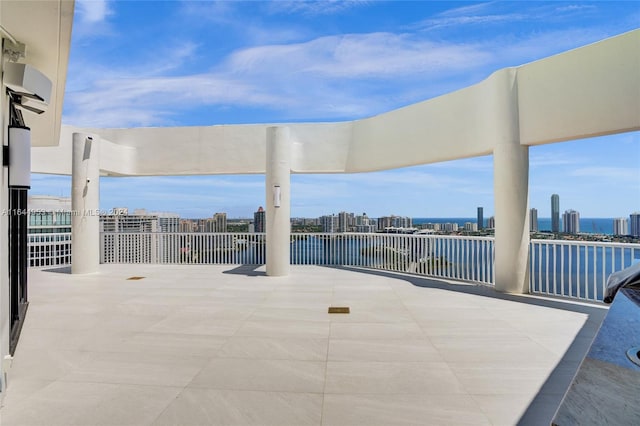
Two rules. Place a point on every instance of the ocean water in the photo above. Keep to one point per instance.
(587, 225)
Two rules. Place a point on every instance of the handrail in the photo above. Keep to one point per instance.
(566, 268)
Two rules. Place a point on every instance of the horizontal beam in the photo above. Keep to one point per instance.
(590, 91)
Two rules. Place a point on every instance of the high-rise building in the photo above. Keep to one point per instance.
(449, 227)
(533, 220)
(259, 220)
(364, 224)
(491, 222)
(634, 224)
(620, 226)
(480, 218)
(394, 222)
(49, 230)
(49, 214)
(220, 222)
(470, 226)
(555, 213)
(329, 223)
(168, 222)
(346, 222)
(571, 222)
(130, 223)
(141, 249)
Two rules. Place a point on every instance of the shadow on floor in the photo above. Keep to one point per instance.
(543, 407)
(60, 270)
(248, 270)
(486, 291)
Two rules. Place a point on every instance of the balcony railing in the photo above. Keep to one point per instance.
(461, 258)
(454, 257)
(575, 269)
(183, 248)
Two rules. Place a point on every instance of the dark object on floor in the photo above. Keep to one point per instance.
(626, 278)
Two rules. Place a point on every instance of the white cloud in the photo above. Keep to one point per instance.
(374, 55)
(473, 9)
(625, 174)
(92, 19)
(331, 77)
(455, 21)
(313, 7)
(576, 8)
(314, 78)
(220, 12)
(497, 13)
(554, 159)
(93, 11)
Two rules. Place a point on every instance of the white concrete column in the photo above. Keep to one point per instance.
(510, 190)
(278, 201)
(85, 204)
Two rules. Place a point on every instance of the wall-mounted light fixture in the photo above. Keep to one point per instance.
(277, 196)
(28, 81)
(24, 84)
(19, 157)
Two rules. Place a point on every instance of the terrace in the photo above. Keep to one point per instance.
(225, 344)
(230, 342)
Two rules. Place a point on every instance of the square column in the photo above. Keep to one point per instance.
(278, 201)
(85, 204)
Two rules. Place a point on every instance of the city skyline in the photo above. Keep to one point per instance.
(334, 61)
(138, 210)
(54, 212)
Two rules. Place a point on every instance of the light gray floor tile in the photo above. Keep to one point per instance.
(391, 378)
(228, 407)
(48, 365)
(385, 410)
(501, 380)
(22, 389)
(136, 368)
(303, 349)
(485, 351)
(262, 375)
(177, 344)
(311, 329)
(376, 331)
(64, 403)
(359, 314)
(383, 350)
(196, 324)
(269, 313)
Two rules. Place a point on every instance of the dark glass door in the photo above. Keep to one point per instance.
(18, 261)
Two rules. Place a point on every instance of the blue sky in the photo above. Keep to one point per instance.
(181, 63)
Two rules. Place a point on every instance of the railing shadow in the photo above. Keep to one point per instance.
(59, 270)
(248, 270)
(543, 407)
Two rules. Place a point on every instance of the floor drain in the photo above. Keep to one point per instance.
(338, 309)
(634, 355)
(135, 278)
